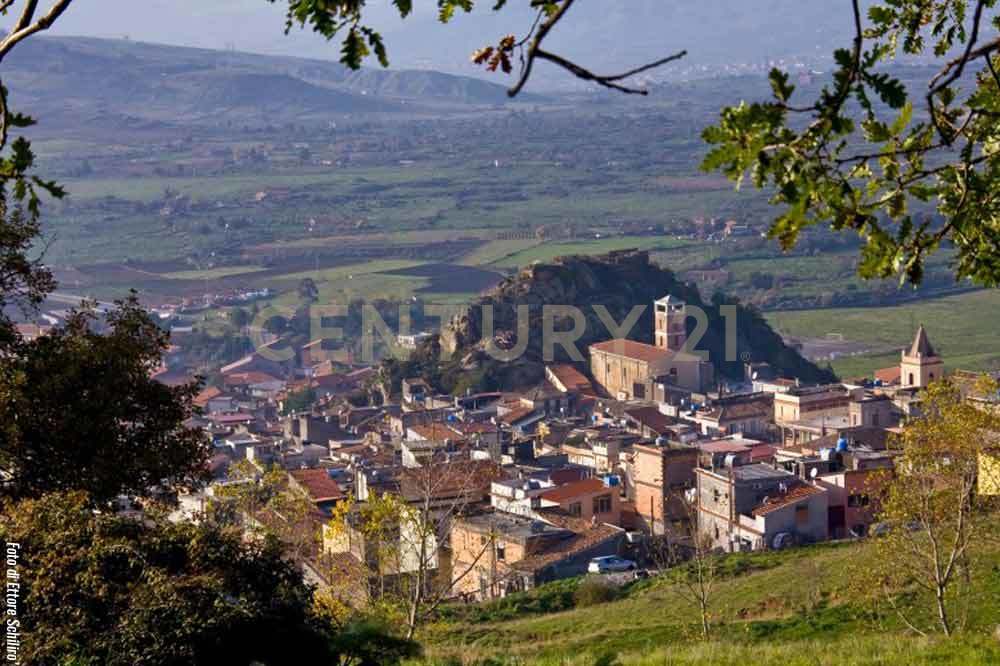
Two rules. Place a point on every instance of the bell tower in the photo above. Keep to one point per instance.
(669, 331)
(920, 365)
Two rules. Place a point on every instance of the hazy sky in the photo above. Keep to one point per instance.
(615, 31)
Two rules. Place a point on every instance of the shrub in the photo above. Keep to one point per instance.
(592, 592)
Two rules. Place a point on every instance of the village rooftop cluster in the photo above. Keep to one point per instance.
(513, 489)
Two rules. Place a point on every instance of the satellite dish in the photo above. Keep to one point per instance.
(813, 473)
(753, 375)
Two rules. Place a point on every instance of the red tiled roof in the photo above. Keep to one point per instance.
(888, 375)
(566, 548)
(473, 428)
(206, 394)
(318, 484)
(634, 350)
(434, 431)
(248, 377)
(570, 378)
(762, 452)
(793, 495)
(516, 414)
(575, 489)
(651, 418)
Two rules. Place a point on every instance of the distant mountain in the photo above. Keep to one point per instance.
(606, 34)
(90, 76)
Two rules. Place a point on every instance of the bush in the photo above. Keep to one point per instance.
(592, 592)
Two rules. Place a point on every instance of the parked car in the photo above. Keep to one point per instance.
(610, 563)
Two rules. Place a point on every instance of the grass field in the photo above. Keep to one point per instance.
(793, 607)
(212, 273)
(547, 251)
(963, 328)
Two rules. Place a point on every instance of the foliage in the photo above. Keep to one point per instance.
(299, 401)
(99, 588)
(344, 17)
(764, 614)
(593, 591)
(937, 522)
(863, 162)
(551, 597)
(364, 642)
(265, 505)
(83, 411)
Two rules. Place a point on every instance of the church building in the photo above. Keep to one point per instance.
(627, 370)
(920, 365)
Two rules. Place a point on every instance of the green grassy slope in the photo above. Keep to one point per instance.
(795, 607)
(963, 329)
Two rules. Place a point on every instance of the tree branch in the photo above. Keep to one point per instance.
(535, 51)
(24, 28)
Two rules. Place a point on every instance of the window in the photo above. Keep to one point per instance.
(501, 552)
(857, 501)
(875, 418)
(715, 494)
(575, 509)
(911, 379)
(602, 504)
(802, 514)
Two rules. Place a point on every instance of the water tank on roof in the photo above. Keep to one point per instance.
(826, 454)
(730, 460)
(611, 480)
(661, 441)
(841, 444)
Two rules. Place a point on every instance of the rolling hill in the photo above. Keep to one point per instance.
(52, 76)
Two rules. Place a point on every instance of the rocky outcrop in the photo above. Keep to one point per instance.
(618, 281)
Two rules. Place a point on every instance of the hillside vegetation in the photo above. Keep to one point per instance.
(619, 281)
(794, 607)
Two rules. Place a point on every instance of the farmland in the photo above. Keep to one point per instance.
(963, 329)
(435, 202)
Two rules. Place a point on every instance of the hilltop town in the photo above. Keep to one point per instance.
(502, 491)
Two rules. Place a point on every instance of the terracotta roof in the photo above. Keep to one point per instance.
(446, 479)
(762, 452)
(574, 489)
(567, 548)
(794, 495)
(318, 484)
(472, 428)
(516, 414)
(888, 375)
(206, 394)
(569, 377)
(248, 377)
(651, 418)
(634, 350)
(434, 431)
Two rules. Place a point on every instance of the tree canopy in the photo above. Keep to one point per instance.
(105, 589)
(82, 411)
